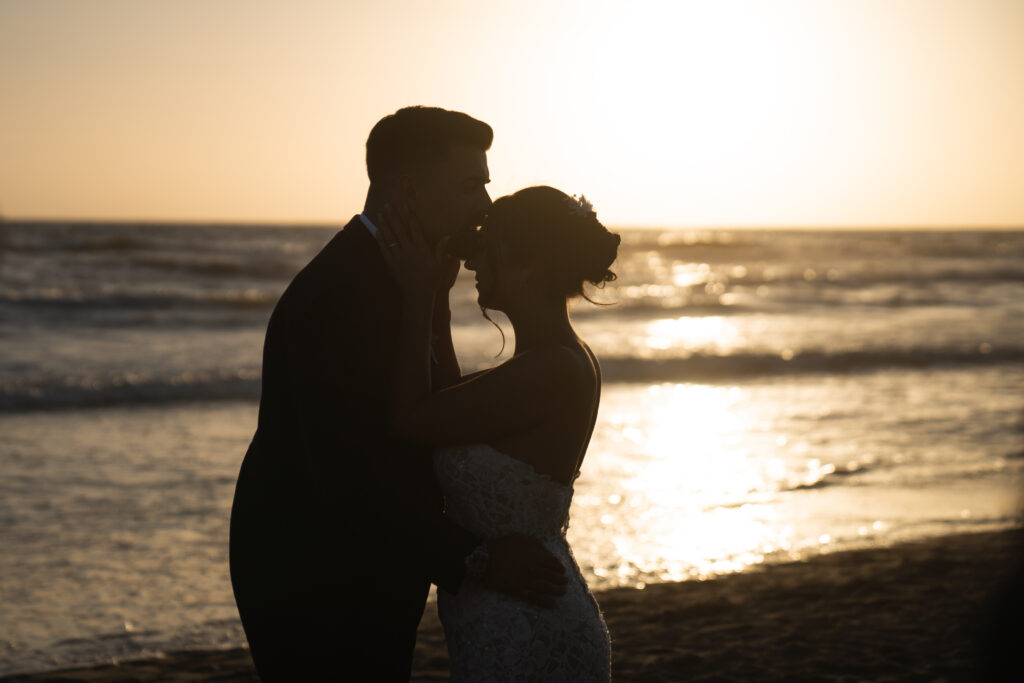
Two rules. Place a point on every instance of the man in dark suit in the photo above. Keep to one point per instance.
(337, 529)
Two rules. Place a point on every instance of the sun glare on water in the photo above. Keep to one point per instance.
(687, 454)
(691, 332)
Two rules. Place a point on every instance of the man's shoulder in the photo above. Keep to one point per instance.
(343, 268)
(342, 244)
(333, 259)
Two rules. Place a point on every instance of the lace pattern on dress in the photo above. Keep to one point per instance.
(494, 637)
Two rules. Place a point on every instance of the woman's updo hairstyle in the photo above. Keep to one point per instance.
(542, 225)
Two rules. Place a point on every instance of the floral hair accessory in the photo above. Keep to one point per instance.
(580, 207)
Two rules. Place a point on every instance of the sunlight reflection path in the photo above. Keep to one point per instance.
(688, 480)
(690, 487)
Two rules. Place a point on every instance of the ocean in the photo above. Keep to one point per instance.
(769, 395)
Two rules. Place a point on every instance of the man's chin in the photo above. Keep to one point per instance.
(464, 244)
(484, 301)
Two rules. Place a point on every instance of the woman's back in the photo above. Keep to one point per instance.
(556, 446)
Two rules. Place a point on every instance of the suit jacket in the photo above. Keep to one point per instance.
(323, 482)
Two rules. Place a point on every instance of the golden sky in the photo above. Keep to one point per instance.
(671, 113)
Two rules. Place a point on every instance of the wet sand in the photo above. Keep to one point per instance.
(920, 611)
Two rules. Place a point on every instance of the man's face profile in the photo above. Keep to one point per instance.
(451, 194)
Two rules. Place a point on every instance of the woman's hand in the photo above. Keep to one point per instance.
(419, 269)
(450, 266)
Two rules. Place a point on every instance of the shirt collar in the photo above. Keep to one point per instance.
(369, 224)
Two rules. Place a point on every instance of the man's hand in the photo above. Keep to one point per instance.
(521, 566)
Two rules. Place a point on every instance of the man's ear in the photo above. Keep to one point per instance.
(410, 191)
(405, 189)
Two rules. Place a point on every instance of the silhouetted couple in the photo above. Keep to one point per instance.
(377, 468)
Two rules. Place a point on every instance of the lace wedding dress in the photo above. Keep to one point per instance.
(492, 636)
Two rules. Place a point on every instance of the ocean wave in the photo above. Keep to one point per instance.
(116, 243)
(262, 267)
(86, 392)
(903, 278)
(782, 243)
(700, 367)
(243, 383)
(58, 299)
(805, 278)
(179, 261)
(784, 301)
(79, 243)
(657, 308)
(830, 476)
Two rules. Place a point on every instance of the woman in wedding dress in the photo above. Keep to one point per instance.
(509, 440)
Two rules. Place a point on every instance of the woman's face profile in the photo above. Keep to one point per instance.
(482, 263)
(500, 279)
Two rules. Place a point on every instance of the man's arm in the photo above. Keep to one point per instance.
(345, 450)
(445, 370)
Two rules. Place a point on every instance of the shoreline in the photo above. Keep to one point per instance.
(923, 610)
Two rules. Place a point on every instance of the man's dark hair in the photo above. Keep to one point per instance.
(415, 135)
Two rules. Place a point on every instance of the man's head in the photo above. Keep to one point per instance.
(435, 159)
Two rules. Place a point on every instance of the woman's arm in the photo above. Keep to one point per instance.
(512, 397)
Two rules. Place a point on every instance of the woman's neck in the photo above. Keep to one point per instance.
(541, 325)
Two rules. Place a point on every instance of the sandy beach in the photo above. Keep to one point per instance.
(921, 611)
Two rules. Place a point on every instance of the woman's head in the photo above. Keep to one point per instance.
(542, 240)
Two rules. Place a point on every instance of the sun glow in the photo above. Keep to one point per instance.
(691, 83)
(764, 107)
(664, 113)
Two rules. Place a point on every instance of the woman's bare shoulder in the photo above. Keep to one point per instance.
(571, 364)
